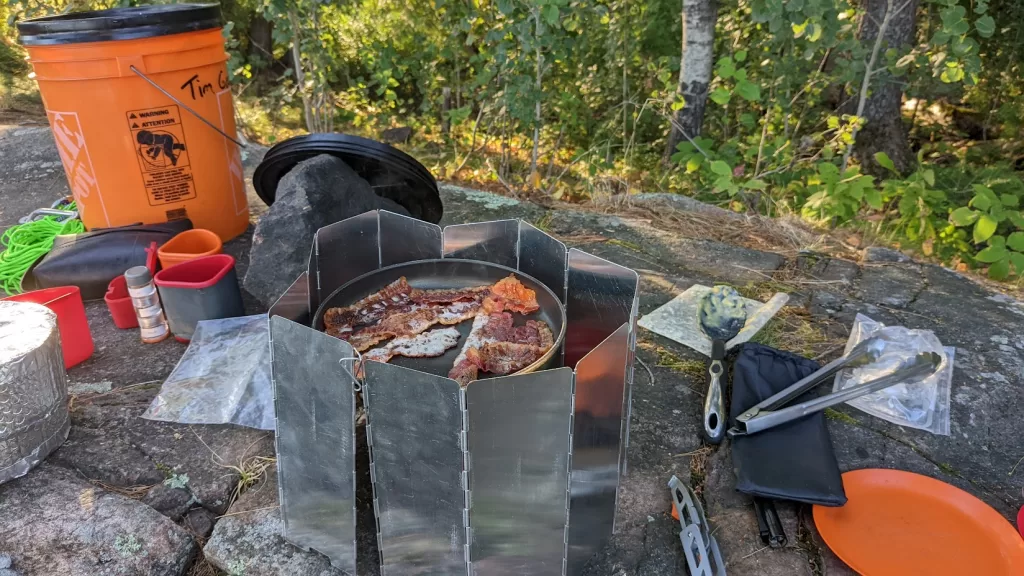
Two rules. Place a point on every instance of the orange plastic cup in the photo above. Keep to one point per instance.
(189, 245)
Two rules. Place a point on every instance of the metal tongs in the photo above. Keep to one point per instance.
(771, 413)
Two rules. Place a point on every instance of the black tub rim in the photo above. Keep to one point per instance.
(123, 23)
(418, 193)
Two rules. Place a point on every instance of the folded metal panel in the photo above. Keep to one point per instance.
(415, 424)
(404, 239)
(315, 439)
(518, 434)
(600, 299)
(627, 407)
(495, 242)
(542, 257)
(294, 303)
(345, 250)
(312, 288)
(596, 438)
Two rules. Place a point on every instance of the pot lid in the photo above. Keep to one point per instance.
(391, 173)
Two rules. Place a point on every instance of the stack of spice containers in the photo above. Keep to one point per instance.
(146, 300)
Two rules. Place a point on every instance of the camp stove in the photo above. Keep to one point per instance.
(510, 475)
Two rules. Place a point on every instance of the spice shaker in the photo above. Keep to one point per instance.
(146, 301)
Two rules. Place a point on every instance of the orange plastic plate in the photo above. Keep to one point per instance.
(900, 523)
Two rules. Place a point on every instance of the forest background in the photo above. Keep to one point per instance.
(895, 121)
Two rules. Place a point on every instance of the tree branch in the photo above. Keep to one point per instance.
(868, 71)
(472, 142)
(764, 132)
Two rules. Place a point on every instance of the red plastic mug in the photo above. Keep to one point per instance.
(66, 302)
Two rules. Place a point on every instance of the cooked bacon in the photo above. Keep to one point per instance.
(445, 296)
(506, 357)
(510, 294)
(403, 324)
(494, 345)
(499, 328)
(465, 370)
(401, 312)
(426, 345)
(394, 296)
(409, 323)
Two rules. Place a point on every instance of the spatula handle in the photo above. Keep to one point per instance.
(714, 401)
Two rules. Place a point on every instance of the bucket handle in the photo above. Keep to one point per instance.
(183, 105)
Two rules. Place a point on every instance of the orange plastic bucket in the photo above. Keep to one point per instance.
(131, 152)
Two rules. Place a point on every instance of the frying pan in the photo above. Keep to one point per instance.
(452, 273)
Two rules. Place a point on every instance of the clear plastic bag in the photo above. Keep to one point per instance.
(921, 404)
(223, 377)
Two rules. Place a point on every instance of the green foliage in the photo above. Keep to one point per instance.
(996, 222)
(779, 124)
(838, 195)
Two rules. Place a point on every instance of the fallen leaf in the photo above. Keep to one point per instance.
(535, 180)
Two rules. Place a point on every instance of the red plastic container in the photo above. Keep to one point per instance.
(202, 289)
(66, 302)
(119, 302)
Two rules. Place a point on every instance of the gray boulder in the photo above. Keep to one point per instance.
(317, 192)
(882, 254)
(53, 522)
(249, 539)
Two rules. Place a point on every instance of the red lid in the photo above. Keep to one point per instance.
(196, 274)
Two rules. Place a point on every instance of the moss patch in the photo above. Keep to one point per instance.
(666, 359)
(833, 414)
(626, 245)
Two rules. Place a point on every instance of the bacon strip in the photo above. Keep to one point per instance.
(494, 345)
(510, 294)
(410, 323)
(445, 296)
(465, 368)
(426, 345)
(507, 357)
(369, 310)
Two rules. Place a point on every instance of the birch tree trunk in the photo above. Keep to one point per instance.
(300, 76)
(695, 67)
(538, 85)
(884, 130)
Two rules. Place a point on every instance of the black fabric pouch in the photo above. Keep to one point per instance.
(91, 260)
(794, 461)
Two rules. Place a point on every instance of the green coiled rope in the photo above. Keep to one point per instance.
(23, 244)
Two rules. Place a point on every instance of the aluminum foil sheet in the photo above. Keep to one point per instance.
(33, 388)
(677, 320)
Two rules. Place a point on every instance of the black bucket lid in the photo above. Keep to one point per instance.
(391, 173)
(118, 24)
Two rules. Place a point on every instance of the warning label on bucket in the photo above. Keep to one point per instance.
(159, 140)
